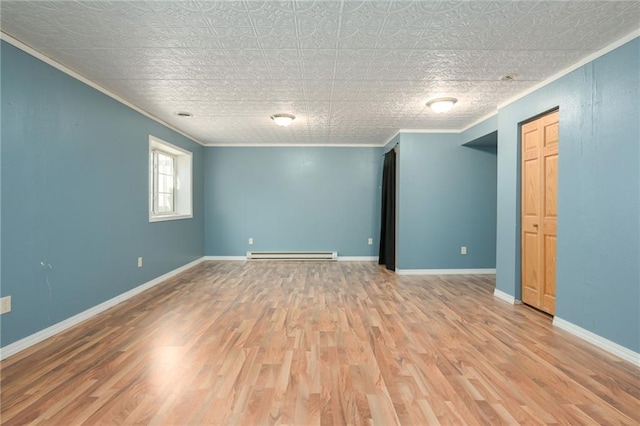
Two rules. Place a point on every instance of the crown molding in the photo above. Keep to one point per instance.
(57, 65)
(18, 44)
(573, 67)
(429, 131)
(290, 145)
(480, 120)
(389, 140)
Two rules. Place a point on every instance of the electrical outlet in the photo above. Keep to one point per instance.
(370, 241)
(463, 250)
(140, 262)
(5, 305)
(250, 241)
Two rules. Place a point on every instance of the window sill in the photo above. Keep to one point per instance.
(164, 218)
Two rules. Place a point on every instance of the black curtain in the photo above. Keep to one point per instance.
(387, 255)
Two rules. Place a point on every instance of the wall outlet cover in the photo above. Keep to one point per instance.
(5, 305)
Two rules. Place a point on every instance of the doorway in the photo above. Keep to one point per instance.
(539, 211)
(387, 253)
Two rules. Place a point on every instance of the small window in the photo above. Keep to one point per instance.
(169, 181)
(164, 183)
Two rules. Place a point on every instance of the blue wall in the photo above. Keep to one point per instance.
(75, 197)
(292, 199)
(447, 199)
(480, 130)
(598, 252)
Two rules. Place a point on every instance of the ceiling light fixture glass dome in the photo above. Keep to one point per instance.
(441, 105)
(283, 119)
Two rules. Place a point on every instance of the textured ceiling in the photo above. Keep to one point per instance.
(353, 72)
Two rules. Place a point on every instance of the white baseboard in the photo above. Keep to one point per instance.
(340, 258)
(444, 271)
(51, 331)
(357, 258)
(504, 296)
(599, 341)
(225, 258)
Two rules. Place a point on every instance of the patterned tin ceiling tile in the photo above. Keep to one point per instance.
(353, 72)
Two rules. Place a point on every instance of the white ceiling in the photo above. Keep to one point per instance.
(353, 72)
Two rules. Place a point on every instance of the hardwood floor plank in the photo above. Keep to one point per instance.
(305, 343)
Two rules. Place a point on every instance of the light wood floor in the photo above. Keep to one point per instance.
(317, 343)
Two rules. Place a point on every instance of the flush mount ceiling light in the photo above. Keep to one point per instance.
(184, 114)
(283, 119)
(441, 105)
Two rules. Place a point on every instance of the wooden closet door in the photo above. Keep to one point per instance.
(539, 211)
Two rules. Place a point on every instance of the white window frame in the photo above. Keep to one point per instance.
(183, 180)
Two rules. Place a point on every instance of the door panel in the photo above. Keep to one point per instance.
(531, 184)
(550, 186)
(551, 128)
(549, 266)
(530, 268)
(539, 211)
(530, 207)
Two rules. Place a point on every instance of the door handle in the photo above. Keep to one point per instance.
(535, 225)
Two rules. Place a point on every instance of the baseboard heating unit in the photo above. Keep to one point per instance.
(292, 255)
